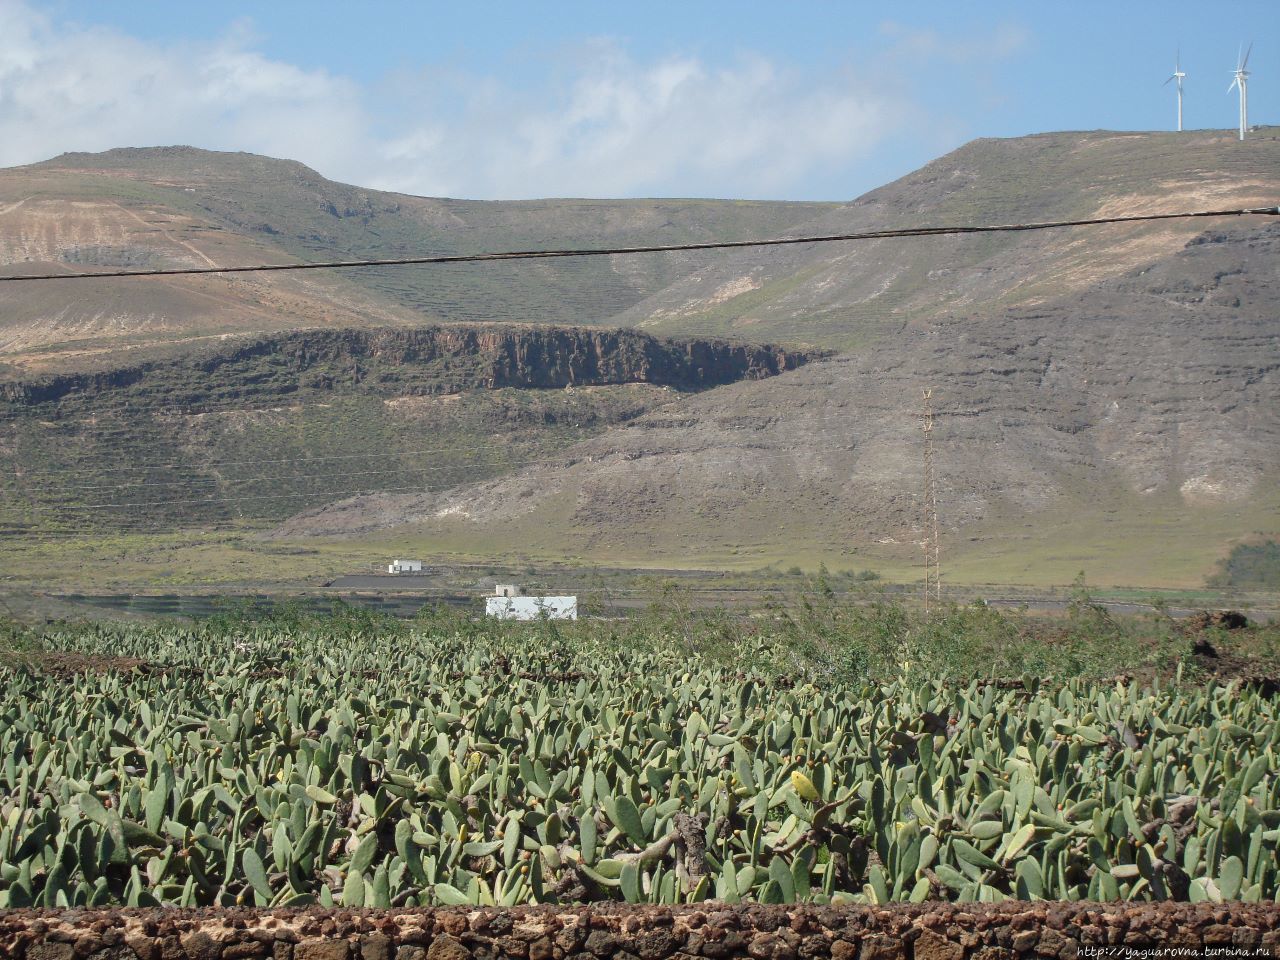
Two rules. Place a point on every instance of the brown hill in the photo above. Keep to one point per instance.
(178, 206)
(1106, 397)
(1117, 411)
(846, 295)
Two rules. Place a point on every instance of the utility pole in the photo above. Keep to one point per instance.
(932, 568)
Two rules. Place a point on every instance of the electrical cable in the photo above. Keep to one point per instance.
(653, 248)
(581, 252)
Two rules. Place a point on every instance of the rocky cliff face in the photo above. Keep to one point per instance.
(415, 361)
(1100, 420)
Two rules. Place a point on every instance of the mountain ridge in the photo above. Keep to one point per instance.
(185, 206)
(1135, 406)
(1106, 397)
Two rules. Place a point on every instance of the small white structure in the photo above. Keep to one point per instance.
(404, 566)
(509, 603)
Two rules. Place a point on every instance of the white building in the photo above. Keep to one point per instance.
(404, 566)
(510, 604)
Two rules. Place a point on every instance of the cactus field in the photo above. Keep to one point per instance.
(450, 763)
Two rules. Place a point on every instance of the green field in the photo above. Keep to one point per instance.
(817, 751)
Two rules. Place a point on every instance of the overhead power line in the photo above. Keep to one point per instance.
(656, 248)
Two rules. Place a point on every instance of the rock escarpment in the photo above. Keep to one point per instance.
(413, 361)
(1151, 399)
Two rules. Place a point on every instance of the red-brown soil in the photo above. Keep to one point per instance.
(64, 665)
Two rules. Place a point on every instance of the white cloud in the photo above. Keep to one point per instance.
(64, 89)
(616, 127)
(1004, 41)
(625, 128)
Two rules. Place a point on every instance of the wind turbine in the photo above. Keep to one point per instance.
(1177, 75)
(1241, 80)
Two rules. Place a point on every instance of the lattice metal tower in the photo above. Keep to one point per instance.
(932, 566)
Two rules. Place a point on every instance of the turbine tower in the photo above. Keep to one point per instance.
(1241, 81)
(1177, 75)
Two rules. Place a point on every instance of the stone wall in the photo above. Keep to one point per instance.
(601, 932)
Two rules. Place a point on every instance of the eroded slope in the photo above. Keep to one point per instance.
(178, 206)
(1155, 394)
(846, 295)
(260, 427)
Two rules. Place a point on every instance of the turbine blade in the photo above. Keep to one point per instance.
(1245, 62)
(1166, 83)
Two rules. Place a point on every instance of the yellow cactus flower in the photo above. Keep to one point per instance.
(804, 787)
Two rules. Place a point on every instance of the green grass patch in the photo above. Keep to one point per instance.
(1250, 566)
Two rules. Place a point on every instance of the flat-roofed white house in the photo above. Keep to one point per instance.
(404, 566)
(509, 603)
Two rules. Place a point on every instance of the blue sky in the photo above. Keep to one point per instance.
(798, 100)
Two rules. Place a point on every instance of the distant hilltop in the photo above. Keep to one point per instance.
(1106, 398)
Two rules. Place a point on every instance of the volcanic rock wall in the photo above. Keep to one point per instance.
(899, 932)
(422, 360)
